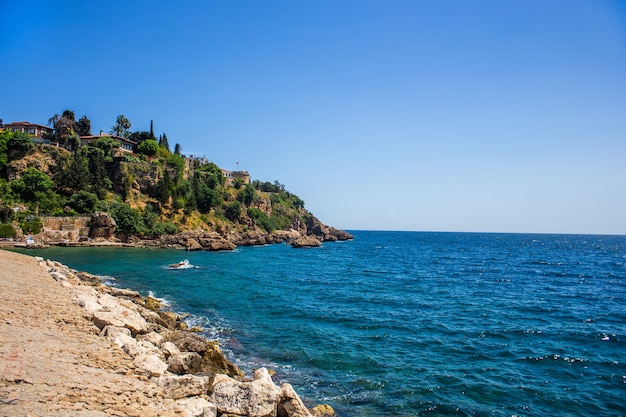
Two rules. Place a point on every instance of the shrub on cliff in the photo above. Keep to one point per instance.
(7, 231)
(83, 201)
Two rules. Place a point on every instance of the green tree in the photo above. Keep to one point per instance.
(148, 147)
(83, 126)
(31, 182)
(105, 143)
(4, 152)
(233, 210)
(18, 145)
(140, 136)
(83, 201)
(163, 143)
(100, 182)
(177, 149)
(76, 175)
(127, 219)
(121, 127)
(164, 187)
(246, 196)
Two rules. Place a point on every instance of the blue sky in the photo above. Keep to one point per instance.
(489, 116)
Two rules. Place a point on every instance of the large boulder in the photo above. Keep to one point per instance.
(186, 341)
(213, 360)
(102, 226)
(258, 398)
(290, 403)
(153, 365)
(196, 407)
(183, 386)
(309, 241)
(184, 363)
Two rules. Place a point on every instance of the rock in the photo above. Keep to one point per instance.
(221, 244)
(151, 364)
(187, 342)
(192, 244)
(197, 407)
(86, 297)
(290, 403)
(102, 226)
(58, 276)
(133, 296)
(183, 386)
(152, 303)
(121, 318)
(184, 363)
(258, 398)
(152, 337)
(339, 234)
(323, 410)
(214, 361)
(306, 242)
(89, 279)
(169, 349)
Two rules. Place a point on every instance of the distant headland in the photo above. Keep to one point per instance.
(62, 185)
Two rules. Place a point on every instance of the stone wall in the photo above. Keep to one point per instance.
(65, 229)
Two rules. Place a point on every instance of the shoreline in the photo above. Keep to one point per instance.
(57, 321)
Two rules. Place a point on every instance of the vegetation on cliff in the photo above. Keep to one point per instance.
(149, 192)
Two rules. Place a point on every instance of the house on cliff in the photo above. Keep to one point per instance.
(33, 129)
(125, 144)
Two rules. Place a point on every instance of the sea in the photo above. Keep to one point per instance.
(407, 323)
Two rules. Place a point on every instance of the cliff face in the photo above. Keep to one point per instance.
(144, 200)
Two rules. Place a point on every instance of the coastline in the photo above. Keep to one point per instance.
(72, 345)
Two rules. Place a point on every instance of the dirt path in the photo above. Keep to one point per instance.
(52, 362)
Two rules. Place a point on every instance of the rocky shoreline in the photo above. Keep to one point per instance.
(100, 229)
(138, 347)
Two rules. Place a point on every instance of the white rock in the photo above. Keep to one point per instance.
(197, 407)
(151, 364)
(152, 337)
(121, 317)
(169, 348)
(57, 276)
(183, 386)
(184, 363)
(258, 398)
(291, 404)
(86, 297)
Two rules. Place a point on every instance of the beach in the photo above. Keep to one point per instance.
(69, 347)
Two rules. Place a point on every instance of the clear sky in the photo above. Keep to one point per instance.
(488, 116)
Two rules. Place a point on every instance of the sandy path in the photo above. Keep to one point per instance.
(52, 363)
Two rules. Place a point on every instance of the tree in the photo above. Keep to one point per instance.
(246, 196)
(139, 136)
(148, 147)
(233, 210)
(75, 176)
(164, 187)
(121, 127)
(31, 182)
(100, 182)
(83, 201)
(152, 130)
(105, 143)
(83, 126)
(65, 126)
(163, 143)
(177, 149)
(18, 145)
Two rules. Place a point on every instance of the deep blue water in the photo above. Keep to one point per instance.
(410, 324)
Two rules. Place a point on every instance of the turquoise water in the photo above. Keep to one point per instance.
(409, 324)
